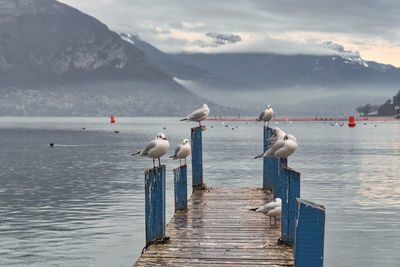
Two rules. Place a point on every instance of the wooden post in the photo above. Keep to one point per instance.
(268, 182)
(155, 203)
(197, 157)
(290, 192)
(310, 229)
(180, 188)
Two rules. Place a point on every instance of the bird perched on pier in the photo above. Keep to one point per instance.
(155, 149)
(276, 212)
(281, 149)
(270, 206)
(279, 135)
(198, 115)
(266, 115)
(182, 151)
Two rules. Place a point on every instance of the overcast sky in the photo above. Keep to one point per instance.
(371, 27)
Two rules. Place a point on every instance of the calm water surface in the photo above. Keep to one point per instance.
(81, 203)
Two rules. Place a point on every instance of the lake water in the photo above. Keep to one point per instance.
(81, 203)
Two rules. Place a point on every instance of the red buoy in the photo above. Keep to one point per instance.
(352, 123)
(112, 119)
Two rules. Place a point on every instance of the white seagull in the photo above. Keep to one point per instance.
(155, 149)
(276, 212)
(198, 115)
(270, 206)
(281, 149)
(278, 134)
(266, 115)
(182, 151)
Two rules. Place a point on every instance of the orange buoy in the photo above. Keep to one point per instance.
(352, 123)
(112, 119)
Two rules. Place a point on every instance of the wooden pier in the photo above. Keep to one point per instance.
(218, 225)
(219, 229)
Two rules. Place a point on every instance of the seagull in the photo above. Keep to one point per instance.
(278, 134)
(276, 212)
(266, 115)
(155, 149)
(182, 151)
(198, 115)
(273, 139)
(270, 206)
(281, 149)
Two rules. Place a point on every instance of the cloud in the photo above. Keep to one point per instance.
(358, 25)
(221, 39)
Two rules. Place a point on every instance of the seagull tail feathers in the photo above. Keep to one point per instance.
(259, 156)
(137, 153)
(185, 119)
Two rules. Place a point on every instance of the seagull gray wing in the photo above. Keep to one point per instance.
(197, 115)
(278, 145)
(273, 139)
(262, 114)
(151, 145)
(177, 150)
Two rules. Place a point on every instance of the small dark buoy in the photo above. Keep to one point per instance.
(51, 144)
(83, 128)
(116, 131)
(164, 128)
(233, 128)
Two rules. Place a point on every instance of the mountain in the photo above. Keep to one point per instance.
(267, 70)
(56, 60)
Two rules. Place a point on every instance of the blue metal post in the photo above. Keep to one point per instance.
(290, 192)
(180, 188)
(155, 203)
(277, 178)
(310, 229)
(268, 182)
(197, 157)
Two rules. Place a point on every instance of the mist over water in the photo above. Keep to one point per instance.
(81, 203)
(295, 101)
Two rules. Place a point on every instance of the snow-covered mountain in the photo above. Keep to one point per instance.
(267, 70)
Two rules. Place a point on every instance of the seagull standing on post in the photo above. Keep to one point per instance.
(281, 149)
(266, 115)
(155, 149)
(182, 151)
(198, 115)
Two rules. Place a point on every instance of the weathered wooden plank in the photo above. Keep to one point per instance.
(180, 188)
(155, 203)
(197, 157)
(212, 232)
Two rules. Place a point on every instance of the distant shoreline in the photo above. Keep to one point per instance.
(322, 118)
